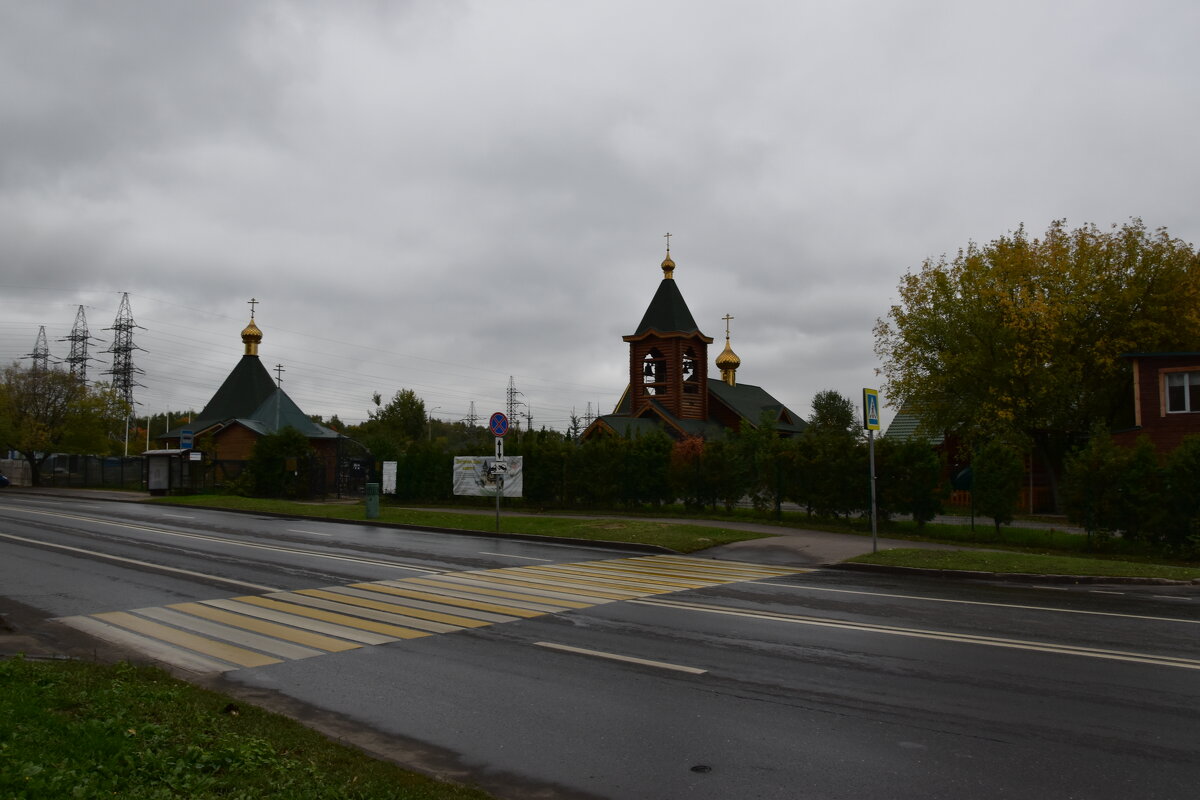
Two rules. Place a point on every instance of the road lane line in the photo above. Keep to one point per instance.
(234, 542)
(566, 648)
(921, 633)
(310, 533)
(808, 588)
(161, 567)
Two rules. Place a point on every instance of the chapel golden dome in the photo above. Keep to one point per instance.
(251, 336)
(728, 359)
(668, 266)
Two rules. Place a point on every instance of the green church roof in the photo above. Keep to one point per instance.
(667, 312)
(246, 388)
(750, 402)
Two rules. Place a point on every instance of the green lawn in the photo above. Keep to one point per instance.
(75, 729)
(1035, 550)
(992, 561)
(681, 538)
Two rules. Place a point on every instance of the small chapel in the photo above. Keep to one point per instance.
(669, 384)
(250, 404)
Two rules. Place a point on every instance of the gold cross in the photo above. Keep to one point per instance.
(668, 238)
(252, 303)
(726, 318)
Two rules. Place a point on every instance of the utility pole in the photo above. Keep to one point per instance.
(430, 420)
(279, 370)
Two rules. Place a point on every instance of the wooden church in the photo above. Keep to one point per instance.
(249, 405)
(669, 385)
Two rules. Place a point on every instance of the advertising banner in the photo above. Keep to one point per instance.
(478, 476)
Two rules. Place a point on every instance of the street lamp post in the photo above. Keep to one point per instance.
(435, 408)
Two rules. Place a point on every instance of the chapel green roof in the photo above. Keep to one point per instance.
(667, 312)
(750, 402)
(245, 389)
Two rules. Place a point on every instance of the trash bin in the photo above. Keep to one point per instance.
(372, 500)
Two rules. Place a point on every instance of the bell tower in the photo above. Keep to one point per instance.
(668, 355)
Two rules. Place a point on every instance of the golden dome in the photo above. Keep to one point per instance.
(251, 336)
(728, 362)
(728, 359)
(668, 266)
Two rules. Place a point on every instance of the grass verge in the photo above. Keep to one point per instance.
(682, 538)
(77, 729)
(1033, 563)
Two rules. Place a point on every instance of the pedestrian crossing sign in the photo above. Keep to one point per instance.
(871, 409)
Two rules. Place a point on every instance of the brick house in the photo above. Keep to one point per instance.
(1166, 399)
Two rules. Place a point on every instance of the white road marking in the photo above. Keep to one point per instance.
(616, 657)
(506, 555)
(178, 516)
(236, 543)
(921, 633)
(808, 588)
(160, 567)
(1102, 591)
(310, 533)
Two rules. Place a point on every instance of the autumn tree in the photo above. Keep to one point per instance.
(45, 411)
(1023, 337)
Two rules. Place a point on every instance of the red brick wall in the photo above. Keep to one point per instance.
(1165, 430)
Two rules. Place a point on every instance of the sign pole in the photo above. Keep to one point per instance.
(498, 425)
(499, 491)
(874, 523)
(871, 423)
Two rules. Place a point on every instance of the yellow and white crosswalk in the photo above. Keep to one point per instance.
(258, 630)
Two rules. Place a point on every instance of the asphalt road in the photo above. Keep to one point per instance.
(543, 670)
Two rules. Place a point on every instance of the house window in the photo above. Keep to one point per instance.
(1183, 392)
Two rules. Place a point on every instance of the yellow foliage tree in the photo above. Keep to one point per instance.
(1023, 337)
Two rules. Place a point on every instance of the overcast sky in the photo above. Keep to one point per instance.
(438, 195)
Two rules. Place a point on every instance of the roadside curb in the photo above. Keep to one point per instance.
(1015, 577)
